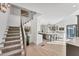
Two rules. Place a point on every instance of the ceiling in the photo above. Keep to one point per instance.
(51, 11)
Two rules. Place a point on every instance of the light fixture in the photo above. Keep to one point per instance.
(4, 7)
(74, 6)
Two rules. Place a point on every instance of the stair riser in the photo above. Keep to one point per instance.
(12, 43)
(11, 39)
(12, 32)
(10, 49)
(13, 29)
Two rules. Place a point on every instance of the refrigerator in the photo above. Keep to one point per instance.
(71, 31)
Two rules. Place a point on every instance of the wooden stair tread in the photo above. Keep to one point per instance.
(11, 41)
(13, 27)
(12, 52)
(10, 29)
(10, 46)
(13, 33)
(12, 37)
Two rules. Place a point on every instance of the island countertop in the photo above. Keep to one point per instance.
(50, 33)
(74, 42)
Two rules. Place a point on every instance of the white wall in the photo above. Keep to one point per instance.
(14, 17)
(14, 20)
(34, 30)
(39, 36)
(3, 24)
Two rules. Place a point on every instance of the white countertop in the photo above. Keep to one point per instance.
(48, 33)
(74, 42)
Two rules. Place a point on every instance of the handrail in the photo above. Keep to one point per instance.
(23, 37)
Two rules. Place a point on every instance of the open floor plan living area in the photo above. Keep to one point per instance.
(39, 29)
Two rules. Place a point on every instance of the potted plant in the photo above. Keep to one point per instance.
(27, 39)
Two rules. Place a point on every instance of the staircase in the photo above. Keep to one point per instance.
(13, 43)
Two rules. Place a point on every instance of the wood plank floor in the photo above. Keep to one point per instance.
(46, 50)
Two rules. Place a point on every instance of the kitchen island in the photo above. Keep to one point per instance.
(72, 47)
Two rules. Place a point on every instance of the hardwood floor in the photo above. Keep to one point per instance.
(45, 50)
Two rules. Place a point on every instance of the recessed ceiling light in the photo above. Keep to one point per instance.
(74, 6)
